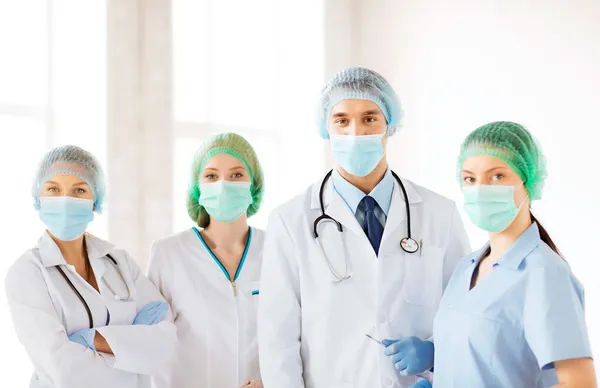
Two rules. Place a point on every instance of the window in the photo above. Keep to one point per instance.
(52, 92)
(262, 84)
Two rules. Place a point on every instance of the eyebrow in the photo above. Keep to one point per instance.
(485, 172)
(339, 114)
(236, 168)
(80, 184)
(371, 112)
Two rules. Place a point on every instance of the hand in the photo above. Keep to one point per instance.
(410, 355)
(421, 383)
(152, 313)
(84, 337)
(255, 384)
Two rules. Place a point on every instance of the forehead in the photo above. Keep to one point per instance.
(481, 163)
(66, 179)
(351, 106)
(222, 162)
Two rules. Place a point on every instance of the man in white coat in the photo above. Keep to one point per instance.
(361, 251)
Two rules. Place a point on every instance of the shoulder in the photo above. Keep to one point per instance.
(294, 209)
(167, 247)
(23, 272)
(543, 258)
(174, 240)
(545, 267)
(436, 211)
(297, 204)
(430, 197)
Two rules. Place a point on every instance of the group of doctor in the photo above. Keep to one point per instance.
(364, 280)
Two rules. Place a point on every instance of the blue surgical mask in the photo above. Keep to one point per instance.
(66, 217)
(225, 201)
(359, 155)
(491, 207)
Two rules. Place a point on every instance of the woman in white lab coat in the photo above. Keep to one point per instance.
(210, 274)
(85, 313)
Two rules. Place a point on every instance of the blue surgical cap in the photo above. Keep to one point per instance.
(70, 160)
(357, 83)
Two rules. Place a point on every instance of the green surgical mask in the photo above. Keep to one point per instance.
(225, 201)
(491, 207)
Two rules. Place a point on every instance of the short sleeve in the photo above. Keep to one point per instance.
(554, 320)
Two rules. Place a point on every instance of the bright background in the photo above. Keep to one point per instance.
(141, 83)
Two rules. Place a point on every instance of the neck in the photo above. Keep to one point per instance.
(501, 242)
(72, 251)
(227, 234)
(367, 183)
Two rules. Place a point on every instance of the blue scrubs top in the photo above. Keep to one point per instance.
(509, 329)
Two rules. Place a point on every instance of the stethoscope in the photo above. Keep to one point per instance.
(408, 244)
(115, 295)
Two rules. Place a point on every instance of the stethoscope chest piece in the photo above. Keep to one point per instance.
(409, 245)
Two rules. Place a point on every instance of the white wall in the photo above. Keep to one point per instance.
(459, 64)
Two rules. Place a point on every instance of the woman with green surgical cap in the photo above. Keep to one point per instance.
(513, 313)
(210, 273)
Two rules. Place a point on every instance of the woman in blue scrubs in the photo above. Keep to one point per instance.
(512, 314)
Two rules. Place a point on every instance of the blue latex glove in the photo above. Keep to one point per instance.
(410, 355)
(84, 337)
(152, 313)
(421, 383)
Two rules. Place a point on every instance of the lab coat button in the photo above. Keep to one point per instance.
(387, 382)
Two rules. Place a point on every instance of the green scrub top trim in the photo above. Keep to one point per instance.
(239, 268)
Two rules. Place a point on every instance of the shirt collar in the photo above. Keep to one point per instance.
(525, 244)
(382, 193)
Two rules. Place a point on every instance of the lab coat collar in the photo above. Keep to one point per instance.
(525, 244)
(97, 249)
(49, 252)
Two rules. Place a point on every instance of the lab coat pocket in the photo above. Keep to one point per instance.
(249, 339)
(251, 295)
(423, 276)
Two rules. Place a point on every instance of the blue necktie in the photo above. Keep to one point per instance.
(374, 230)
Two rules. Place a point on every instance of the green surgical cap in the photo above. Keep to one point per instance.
(236, 146)
(514, 145)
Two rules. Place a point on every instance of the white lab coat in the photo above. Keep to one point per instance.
(217, 344)
(45, 311)
(311, 330)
